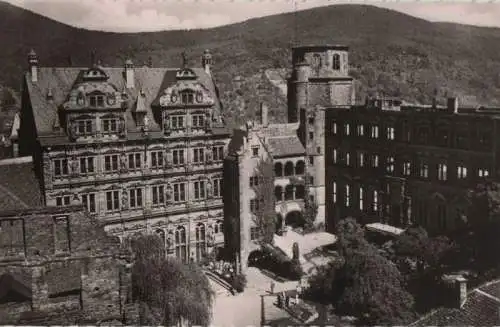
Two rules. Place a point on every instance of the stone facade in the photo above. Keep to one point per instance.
(249, 147)
(57, 265)
(402, 164)
(141, 148)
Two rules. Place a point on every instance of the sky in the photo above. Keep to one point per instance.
(155, 15)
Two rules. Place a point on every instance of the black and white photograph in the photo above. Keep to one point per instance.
(237, 163)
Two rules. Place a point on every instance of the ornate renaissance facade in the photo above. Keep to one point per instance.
(141, 147)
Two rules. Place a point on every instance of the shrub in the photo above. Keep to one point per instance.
(239, 282)
(295, 270)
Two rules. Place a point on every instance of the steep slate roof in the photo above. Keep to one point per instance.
(480, 309)
(152, 82)
(19, 187)
(19, 284)
(282, 139)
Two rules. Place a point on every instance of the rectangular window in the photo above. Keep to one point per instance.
(361, 204)
(334, 193)
(347, 195)
(461, 172)
(361, 159)
(483, 172)
(334, 128)
(375, 161)
(198, 121)
(255, 151)
(96, 100)
(311, 160)
(134, 161)
(199, 190)
(407, 168)
(334, 155)
(198, 155)
(311, 136)
(61, 234)
(60, 167)
(374, 132)
(348, 159)
(254, 205)
(218, 153)
(158, 195)
(88, 201)
(63, 200)
(109, 125)
(178, 157)
(112, 200)
(84, 126)
(135, 198)
(361, 130)
(375, 200)
(157, 159)
(390, 133)
(442, 172)
(87, 165)
(254, 233)
(347, 129)
(218, 187)
(111, 163)
(254, 181)
(180, 192)
(390, 164)
(177, 122)
(424, 170)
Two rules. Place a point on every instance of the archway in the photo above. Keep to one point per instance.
(294, 219)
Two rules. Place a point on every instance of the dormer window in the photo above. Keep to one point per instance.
(84, 126)
(336, 62)
(96, 100)
(110, 125)
(187, 97)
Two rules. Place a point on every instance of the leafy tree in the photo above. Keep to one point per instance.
(350, 235)
(265, 217)
(168, 290)
(310, 209)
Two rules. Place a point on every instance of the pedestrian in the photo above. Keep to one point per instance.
(272, 287)
(287, 302)
(280, 301)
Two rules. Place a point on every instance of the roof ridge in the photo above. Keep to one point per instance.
(487, 295)
(6, 190)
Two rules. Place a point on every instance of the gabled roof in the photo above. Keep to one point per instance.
(152, 82)
(19, 187)
(480, 309)
(14, 286)
(286, 146)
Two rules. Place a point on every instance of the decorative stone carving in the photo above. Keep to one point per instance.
(169, 193)
(209, 189)
(124, 199)
(208, 154)
(210, 236)
(168, 158)
(170, 241)
(121, 128)
(123, 162)
(73, 165)
(166, 124)
(208, 121)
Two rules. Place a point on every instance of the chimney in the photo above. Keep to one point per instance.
(33, 64)
(129, 74)
(264, 114)
(150, 62)
(461, 285)
(456, 290)
(452, 105)
(206, 61)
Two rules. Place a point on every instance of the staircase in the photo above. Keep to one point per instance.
(219, 285)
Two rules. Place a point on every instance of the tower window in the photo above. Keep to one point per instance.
(311, 136)
(336, 62)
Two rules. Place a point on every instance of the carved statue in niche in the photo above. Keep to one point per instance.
(168, 158)
(166, 123)
(73, 165)
(73, 129)
(210, 235)
(168, 193)
(209, 189)
(208, 120)
(208, 154)
(121, 128)
(124, 199)
(123, 161)
(170, 240)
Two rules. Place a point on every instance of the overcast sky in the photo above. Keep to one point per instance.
(154, 15)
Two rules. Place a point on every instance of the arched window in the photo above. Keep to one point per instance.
(289, 192)
(299, 191)
(278, 169)
(289, 168)
(219, 227)
(181, 244)
(300, 167)
(336, 61)
(278, 193)
(187, 97)
(201, 245)
(161, 235)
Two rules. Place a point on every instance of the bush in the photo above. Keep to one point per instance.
(294, 269)
(239, 282)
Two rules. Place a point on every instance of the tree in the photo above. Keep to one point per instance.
(310, 209)
(168, 290)
(265, 217)
(350, 235)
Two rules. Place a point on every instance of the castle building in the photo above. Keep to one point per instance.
(404, 165)
(244, 169)
(141, 147)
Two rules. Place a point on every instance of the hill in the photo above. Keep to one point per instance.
(391, 53)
